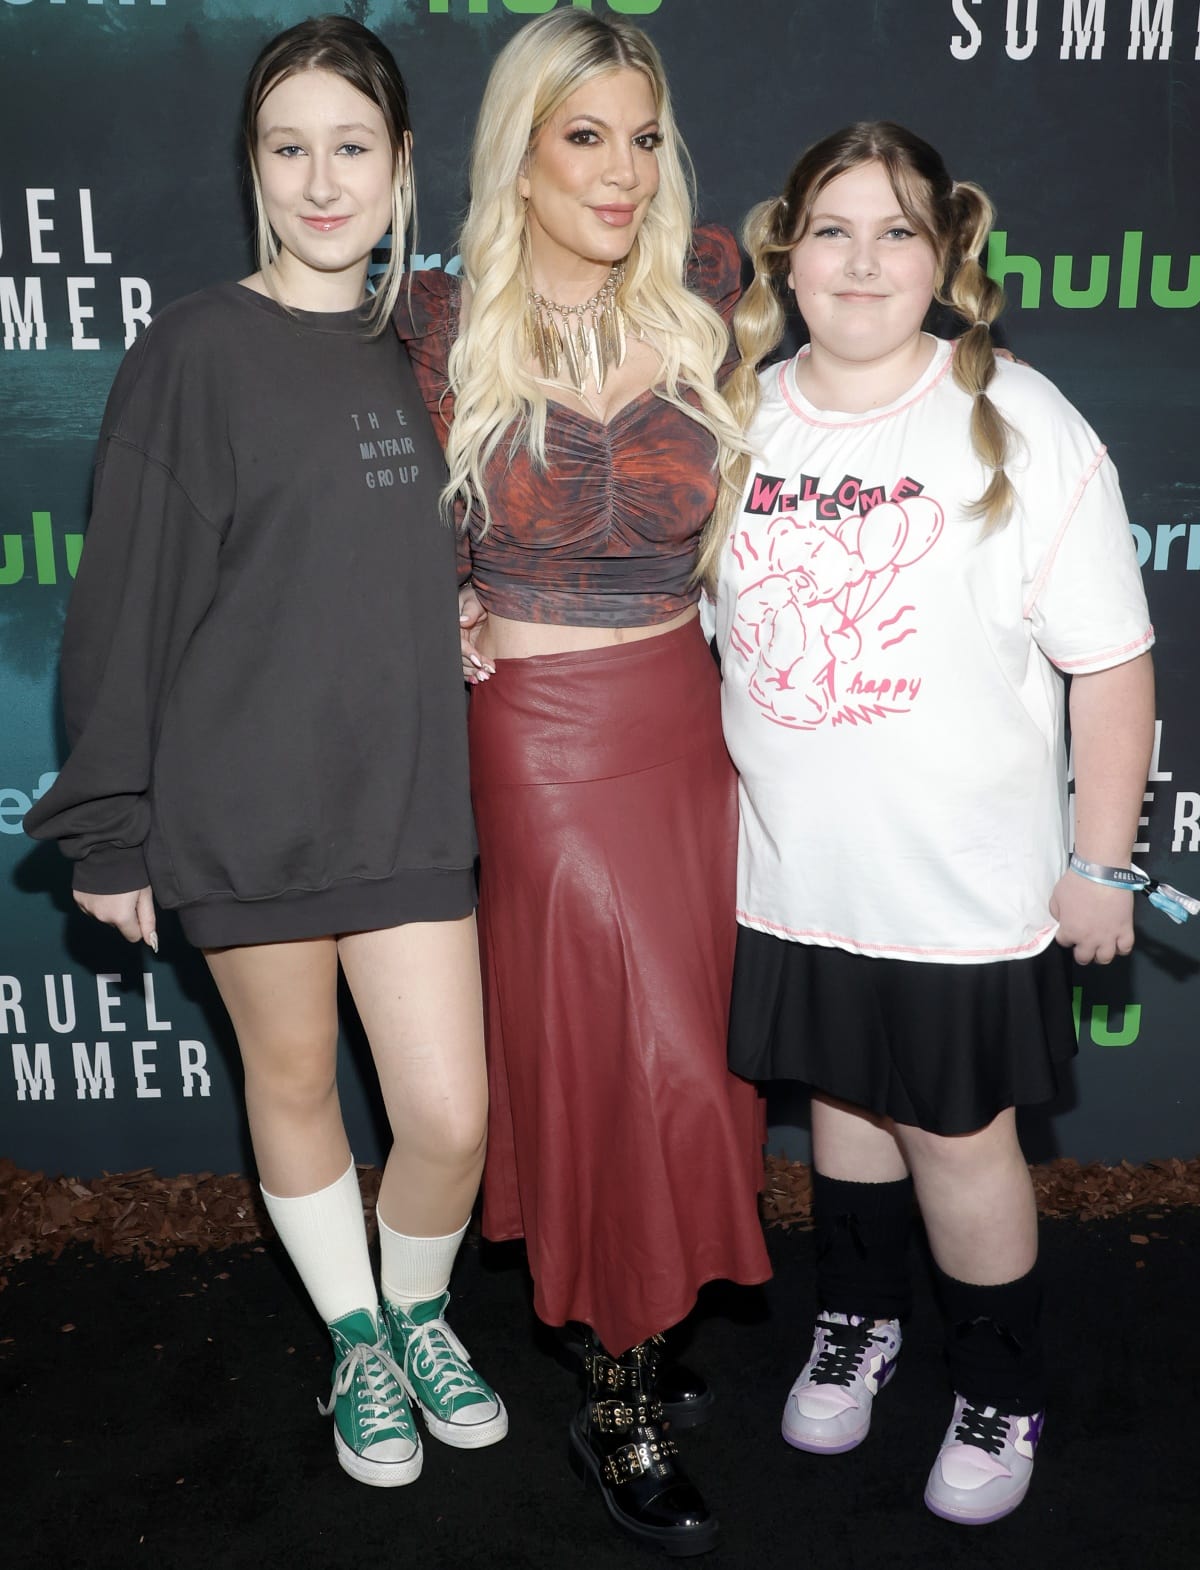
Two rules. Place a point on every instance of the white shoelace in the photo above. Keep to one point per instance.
(440, 1359)
(383, 1382)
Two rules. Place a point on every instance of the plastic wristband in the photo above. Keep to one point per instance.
(1161, 895)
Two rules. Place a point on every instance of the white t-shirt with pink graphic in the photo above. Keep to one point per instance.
(891, 687)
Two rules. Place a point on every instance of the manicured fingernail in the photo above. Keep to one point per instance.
(476, 661)
(152, 941)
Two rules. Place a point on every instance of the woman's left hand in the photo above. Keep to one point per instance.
(1095, 921)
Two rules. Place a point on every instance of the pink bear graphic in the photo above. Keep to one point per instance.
(799, 621)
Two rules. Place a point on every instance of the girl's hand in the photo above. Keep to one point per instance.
(131, 914)
(1095, 921)
(471, 618)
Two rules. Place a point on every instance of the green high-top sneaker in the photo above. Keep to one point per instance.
(374, 1433)
(459, 1407)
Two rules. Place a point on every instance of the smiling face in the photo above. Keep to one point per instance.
(588, 181)
(325, 170)
(863, 279)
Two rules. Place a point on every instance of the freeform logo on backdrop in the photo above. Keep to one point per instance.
(14, 803)
(1157, 548)
(1150, 33)
(52, 220)
(102, 1068)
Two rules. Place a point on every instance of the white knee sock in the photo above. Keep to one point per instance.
(415, 1269)
(326, 1239)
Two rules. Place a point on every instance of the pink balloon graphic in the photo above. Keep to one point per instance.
(879, 535)
(925, 519)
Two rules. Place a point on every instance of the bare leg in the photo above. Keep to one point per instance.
(417, 992)
(976, 1198)
(853, 1145)
(282, 999)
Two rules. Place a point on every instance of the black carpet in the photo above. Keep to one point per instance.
(167, 1420)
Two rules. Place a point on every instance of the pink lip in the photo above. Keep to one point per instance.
(326, 225)
(850, 294)
(620, 217)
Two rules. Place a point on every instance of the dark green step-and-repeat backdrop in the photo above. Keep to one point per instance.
(121, 189)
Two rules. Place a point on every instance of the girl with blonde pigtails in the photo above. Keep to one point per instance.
(921, 543)
(572, 375)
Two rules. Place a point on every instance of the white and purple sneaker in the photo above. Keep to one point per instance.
(828, 1409)
(983, 1469)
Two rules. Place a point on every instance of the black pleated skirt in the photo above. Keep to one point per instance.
(939, 1047)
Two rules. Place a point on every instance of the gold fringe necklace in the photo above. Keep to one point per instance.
(575, 340)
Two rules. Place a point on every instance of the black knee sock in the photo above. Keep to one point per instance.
(863, 1232)
(994, 1343)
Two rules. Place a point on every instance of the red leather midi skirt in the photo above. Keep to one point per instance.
(620, 1145)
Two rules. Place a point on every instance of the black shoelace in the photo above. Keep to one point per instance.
(844, 1349)
(984, 1427)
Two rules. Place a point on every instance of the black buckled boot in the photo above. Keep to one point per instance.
(687, 1397)
(617, 1441)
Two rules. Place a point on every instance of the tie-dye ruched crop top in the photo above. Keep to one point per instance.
(606, 534)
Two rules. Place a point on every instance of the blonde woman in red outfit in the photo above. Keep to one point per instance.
(573, 377)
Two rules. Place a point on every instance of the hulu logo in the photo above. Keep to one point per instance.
(45, 557)
(1073, 294)
(1097, 1022)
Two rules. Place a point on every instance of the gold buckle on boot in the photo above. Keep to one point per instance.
(603, 1371)
(650, 1456)
(618, 1417)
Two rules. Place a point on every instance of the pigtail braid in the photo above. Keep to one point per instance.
(979, 301)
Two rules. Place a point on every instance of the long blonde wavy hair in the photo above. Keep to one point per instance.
(495, 392)
(954, 217)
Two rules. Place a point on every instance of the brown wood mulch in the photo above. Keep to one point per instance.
(139, 1214)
